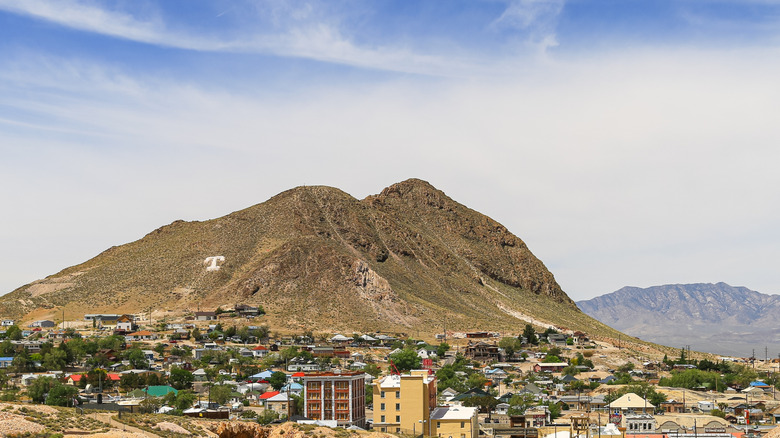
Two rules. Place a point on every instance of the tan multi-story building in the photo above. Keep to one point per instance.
(335, 396)
(454, 422)
(403, 403)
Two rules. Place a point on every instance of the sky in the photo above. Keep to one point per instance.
(626, 142)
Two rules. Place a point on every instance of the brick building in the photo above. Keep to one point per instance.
(335, 396)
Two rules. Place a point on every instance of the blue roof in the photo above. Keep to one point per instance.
(4, 359)
(262, 375)
(758, 383)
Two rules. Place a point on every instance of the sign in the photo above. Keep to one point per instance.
(714, 430)
(212, 262)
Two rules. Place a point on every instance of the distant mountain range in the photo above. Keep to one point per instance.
(716, 318)
(408, 259)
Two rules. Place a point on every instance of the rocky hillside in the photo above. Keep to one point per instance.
(409, 259)
(716, 318)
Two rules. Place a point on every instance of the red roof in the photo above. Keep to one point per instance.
(299, 374)
(259, 347)
(267, 395)
(115, 377)
(141, 333)
(76, 377)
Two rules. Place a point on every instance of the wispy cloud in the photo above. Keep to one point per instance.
(311, 39)
(537, 18)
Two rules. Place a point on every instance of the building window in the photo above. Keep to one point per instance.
(398, 394)
(397, 418)
(438, 424)
(382, 394)
(381, 406)
(397, 429)
(398, 406)
(382, 419)
(462, 424)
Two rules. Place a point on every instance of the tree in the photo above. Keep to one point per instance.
(185, 400)
(530, 335)
(486, 403)
(159, 348)
(180, 379)
(277, 380)
(221, 393)
(195, 334)
(510, 345)
(406, 360)
(13, 333)
(22, 361)
(442, 349)
(39, 388)
(137, 358)
(372, 369)
(61, 395)
(267, 417)
(518, 403)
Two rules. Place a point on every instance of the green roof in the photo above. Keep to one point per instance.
(160, 391)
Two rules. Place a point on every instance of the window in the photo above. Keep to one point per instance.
(462, 424)
(397, 418)
(381, 406)
(398, 394)
(382, 419)
(397, 429)
(382, 394)
(438, 424)
(398, 406)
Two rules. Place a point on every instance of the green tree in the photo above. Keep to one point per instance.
(137, 358)
(486, 403)
(196, 334)
(61, 395)
(518, 403)
(406, 360)
(13, 333)
(221, 393)
(267, 417)
(185, 399)
(442, 349)
(372, 369)
(180, 379)
(510, 345)
(39, 388)
(530, 335)
(277, 380)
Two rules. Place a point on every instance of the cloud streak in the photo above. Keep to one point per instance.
(314, 40)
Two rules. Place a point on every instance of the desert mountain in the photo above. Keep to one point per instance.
(715, 318)
(409, 259)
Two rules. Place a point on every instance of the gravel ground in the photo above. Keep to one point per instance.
(13, 424)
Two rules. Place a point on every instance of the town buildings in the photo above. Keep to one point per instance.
(403, 403)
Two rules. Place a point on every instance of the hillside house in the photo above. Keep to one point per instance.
(7, 322)
(126, 323)
(143, 335)
(205, 316)
(247, 311)
(551, 367)
(44, 323)
(482, 352)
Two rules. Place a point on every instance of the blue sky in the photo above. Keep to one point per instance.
(627, 142)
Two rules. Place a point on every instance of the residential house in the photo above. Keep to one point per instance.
(279, 403)
(143, 335)
(403, 403)
(205, 316)
(126, 323)
(260, 351)
(452, 422)
(7, 322)
(448, 394)
(628, 404)
(44, 323)
(5, 362)
(247, 311)
(551, 367)
(483, 352)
